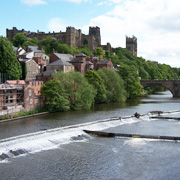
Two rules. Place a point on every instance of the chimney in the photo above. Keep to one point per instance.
(91, 57)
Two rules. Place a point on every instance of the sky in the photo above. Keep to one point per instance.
(155, 23)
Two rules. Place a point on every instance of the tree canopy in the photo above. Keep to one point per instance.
(56, 97)
(98, 83)
(131, 79)
(99, 51)
(19, 39)
(8, 60)
(80, 93)
(114, 85)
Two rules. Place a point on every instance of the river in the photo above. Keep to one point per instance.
(54, 146)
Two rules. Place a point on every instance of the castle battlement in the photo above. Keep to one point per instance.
(72, 36)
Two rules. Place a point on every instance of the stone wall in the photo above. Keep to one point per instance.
(72, 36)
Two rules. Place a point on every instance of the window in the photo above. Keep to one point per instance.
(29, 92)
(7, 99)
(30, 101)
(9, 91)
(11, 99)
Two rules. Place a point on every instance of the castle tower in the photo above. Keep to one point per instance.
(95, 31)
(73, 37)
(131, 45)
(70, 36)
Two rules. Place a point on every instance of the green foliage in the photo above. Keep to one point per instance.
(24, 70)
(99, 51)
(56, 96)
(80, 93)
(8, 60)
(48, 44)
(114, 85)
(98, 83)
(29, 43)
(146, 69)
(64, 48)
(4, 117)
(115, 59)
(19, 39)
(131, 79)
(86, 50)
(107, 54)
(34, 40)
(26, 113)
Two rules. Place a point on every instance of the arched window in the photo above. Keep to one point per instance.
(85, 42)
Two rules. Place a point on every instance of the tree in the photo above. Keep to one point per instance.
(19, 39)
(107, 54)
(34, 40)
(8, 60)
(28, 43)
(131, 78)
(80, 92)
(114, 85)
(56, 98)
(24, 70)
(86, 50)
(98, 83)
(48, 44)
(99, 51)
(62, 48)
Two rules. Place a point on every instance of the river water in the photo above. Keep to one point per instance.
(55, 147)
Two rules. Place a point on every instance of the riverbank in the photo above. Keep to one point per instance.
(40, 112)
(11, 118)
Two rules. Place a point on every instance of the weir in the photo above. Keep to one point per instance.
(107, 134)
(53, 138)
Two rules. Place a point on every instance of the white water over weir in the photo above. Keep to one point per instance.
(54, 138)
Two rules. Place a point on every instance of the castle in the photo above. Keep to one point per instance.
(76, 38)
(72, 36)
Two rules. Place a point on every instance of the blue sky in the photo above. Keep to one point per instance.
(155, 23)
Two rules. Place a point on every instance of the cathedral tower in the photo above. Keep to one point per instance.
(131, 45)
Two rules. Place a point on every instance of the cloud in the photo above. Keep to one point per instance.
(155, 23)
(57, 25)
(33, 2)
